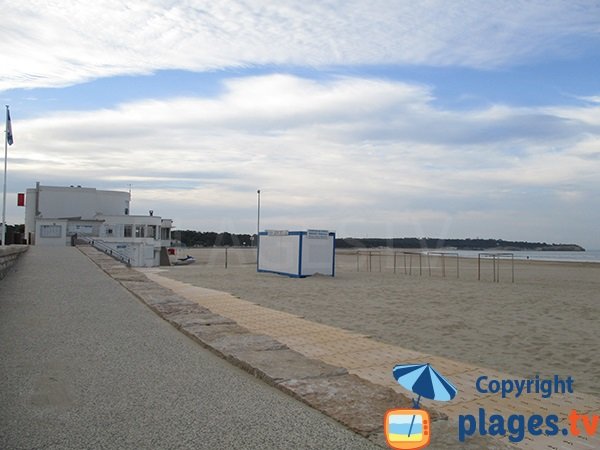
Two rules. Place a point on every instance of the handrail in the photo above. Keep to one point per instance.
(101, 245)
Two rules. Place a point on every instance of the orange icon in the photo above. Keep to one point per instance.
(407, 429)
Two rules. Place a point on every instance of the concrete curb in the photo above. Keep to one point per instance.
(9, 256)
(354, 402)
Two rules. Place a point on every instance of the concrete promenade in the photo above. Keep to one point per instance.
(84, 364)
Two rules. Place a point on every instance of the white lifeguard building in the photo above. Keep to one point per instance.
(297, 253)
(56, 215)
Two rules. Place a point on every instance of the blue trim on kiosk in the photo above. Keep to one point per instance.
(300, 256)
(333, 262)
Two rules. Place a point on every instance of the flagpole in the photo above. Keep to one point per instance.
(4, 190)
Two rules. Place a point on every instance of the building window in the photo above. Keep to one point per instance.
(152, 231)
(139, 231)
(50, 231)
(127, 231)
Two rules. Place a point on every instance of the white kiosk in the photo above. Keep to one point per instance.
(297, 253)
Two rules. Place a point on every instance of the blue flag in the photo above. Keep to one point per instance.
(9, 135)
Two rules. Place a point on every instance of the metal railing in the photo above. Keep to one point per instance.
(496, 258)
(442, 256)
(103, 247)
(369, 261)
(408, 254)
(407, 258)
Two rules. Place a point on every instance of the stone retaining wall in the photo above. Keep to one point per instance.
(9, 256)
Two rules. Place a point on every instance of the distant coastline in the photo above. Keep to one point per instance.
(456, 244)
(191, 238)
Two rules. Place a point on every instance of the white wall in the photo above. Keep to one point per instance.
(317, 255)
(140, 254)
(279, 254)
(45, 236)
(297, 253)
(100, 211)
(116, 224)
(143, 251)
(55, 202)
(85, 202)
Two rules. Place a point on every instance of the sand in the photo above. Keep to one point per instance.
(546, 322)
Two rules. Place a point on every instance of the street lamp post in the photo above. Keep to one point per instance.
(258, 218)
(257, 229)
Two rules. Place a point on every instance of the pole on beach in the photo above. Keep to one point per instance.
(496, 268)
(258, 217)
(257, 227)
(512, 257)
(443, 267)
(457, 267)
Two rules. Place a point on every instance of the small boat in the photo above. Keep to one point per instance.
(184, 261)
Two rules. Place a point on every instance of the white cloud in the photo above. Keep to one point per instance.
(64, 42)
(337, 154)
(591, 98)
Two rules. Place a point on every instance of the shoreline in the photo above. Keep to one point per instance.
(520, 255)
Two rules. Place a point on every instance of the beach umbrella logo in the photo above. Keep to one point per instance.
(425, 381)
(410, 428)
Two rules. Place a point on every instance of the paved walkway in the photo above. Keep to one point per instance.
(84, 364)
(373, 361)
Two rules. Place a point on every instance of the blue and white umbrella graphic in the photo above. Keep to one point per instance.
(425, 381)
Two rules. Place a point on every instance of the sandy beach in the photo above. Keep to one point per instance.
(545, 323)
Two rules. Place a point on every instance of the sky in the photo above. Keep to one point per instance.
(379, 118)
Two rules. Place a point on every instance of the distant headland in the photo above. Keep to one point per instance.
(456, 244)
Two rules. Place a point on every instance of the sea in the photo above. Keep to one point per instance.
(587, 256)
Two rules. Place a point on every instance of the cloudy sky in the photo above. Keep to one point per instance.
(372, 118)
